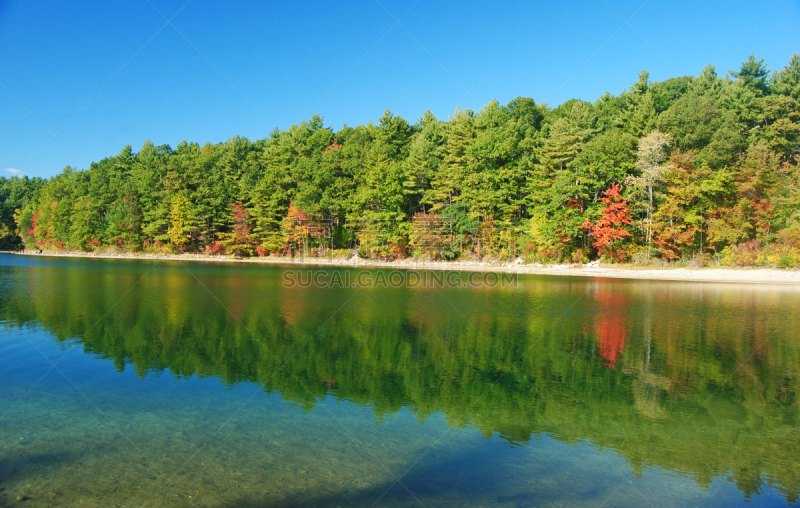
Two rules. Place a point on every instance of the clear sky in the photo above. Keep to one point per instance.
(99, 75)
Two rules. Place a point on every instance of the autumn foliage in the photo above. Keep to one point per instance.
(610, 228)
(239, 240)
(709, 165)
(611, 326)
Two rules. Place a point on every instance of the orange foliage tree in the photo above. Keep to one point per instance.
(429, 234)
(239, 240)
(751, 212)
(610, 228)
(294, 230)
(679, 219)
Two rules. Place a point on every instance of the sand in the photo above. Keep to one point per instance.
(709, 274)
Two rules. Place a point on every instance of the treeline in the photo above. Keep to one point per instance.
(694, 169)
(15, 194)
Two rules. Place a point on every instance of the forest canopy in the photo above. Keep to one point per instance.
(691, 169)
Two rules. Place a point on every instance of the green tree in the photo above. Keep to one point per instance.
(753, 74)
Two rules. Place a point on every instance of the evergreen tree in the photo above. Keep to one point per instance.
(520, 167)
(753, 74)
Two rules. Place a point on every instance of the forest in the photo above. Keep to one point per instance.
(693, 170)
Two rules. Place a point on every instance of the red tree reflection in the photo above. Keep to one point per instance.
(611, 325)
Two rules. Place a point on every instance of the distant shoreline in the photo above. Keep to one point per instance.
(732, 275)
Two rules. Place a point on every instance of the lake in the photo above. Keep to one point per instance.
(145, 383)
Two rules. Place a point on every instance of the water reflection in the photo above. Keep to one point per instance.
(612, 324)
(701, 380)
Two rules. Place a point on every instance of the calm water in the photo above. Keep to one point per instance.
(163, 384)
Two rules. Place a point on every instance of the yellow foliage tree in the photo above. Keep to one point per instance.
(179, 218)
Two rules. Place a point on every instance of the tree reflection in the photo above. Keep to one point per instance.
(697, 379)
(612, 324)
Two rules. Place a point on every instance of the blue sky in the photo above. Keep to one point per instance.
(101, 75)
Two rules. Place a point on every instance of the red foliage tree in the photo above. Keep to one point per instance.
(241, 229)
(34, 224)
(239, 240)
(610, 227)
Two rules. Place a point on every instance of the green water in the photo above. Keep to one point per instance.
(165, 384)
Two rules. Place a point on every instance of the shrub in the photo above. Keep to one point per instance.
(786, 261)
(744, 254)
(214, 249)
(580, 256)
(752, 253)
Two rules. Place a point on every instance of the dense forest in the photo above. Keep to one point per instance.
(692, 170)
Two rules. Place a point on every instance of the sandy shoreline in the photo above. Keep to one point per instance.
(734, 275)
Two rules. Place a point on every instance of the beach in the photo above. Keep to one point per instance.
(707, 274)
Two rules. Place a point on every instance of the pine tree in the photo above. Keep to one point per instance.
(787, 80)
(447, 183)
(753, 74)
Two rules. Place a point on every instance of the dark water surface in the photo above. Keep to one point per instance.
(130, 383)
